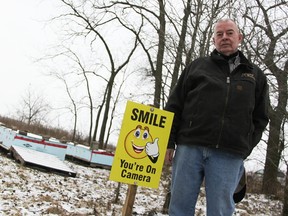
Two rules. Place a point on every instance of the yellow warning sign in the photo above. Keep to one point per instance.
(142, 145)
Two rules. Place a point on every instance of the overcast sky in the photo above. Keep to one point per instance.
(24, 37)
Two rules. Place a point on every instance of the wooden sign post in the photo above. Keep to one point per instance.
(130, 198)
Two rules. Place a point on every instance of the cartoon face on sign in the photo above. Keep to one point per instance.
(139, 144)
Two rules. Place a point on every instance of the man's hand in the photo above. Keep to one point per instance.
(169, 157)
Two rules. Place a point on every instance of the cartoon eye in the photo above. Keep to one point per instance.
(145, 134)
(137, 133)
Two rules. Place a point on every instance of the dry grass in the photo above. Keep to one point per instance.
(57, 209)
(254, 186)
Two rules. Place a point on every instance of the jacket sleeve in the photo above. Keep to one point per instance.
(175, 104)
(260, 113)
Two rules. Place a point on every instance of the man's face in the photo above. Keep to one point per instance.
(226, 37)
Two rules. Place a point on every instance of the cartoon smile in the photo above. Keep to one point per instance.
(137, 149)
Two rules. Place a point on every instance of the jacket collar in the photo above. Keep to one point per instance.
(215, 55)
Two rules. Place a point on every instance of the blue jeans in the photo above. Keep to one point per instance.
(222, 171)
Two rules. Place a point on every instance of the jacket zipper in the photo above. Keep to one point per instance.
(224, 111)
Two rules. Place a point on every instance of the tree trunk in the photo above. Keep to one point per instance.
(181, 45)
(99, 114)
(272, 156)
(285, 202)
(106, 110)
(160, 55)
(275, 142)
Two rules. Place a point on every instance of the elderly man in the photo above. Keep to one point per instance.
(220, 104)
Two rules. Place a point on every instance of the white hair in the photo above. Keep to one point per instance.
(226, 20)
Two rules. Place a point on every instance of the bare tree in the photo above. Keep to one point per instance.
(268, 34)
(33, 108)
(157, 23)
(181, 44)
(115, 104)
(77, 67)
(89, 19)
(84, 72)
(282, 138)
(74, 109)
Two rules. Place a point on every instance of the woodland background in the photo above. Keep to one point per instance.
(114, 51)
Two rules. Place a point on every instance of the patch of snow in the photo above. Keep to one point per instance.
(27, 191)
